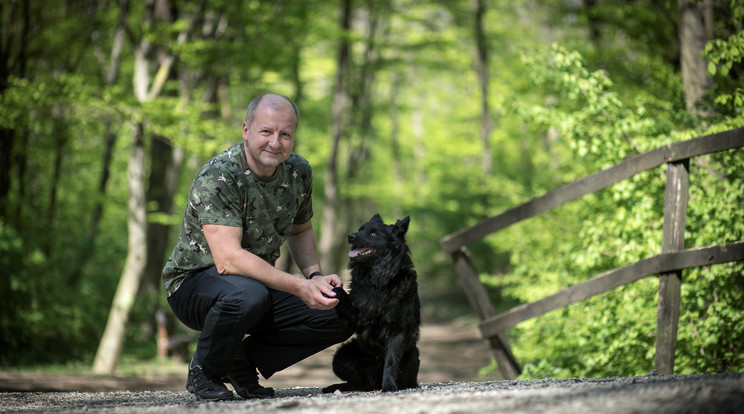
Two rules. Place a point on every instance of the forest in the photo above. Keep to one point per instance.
(449, 111)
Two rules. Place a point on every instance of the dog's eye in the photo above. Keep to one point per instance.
(373, 233)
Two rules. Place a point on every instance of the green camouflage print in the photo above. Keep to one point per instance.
(227, 192)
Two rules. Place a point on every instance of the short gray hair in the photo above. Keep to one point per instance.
(250, 115)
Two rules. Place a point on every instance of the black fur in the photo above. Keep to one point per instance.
(385, 310)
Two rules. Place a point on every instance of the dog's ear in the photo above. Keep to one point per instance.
(376, 217)
(401, 226)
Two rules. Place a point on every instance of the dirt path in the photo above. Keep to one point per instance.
(451, 355)
(449, 352)
(657, 395)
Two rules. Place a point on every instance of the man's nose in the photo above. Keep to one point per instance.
(274, 141)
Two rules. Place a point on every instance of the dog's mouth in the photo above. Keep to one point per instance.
(360, 252)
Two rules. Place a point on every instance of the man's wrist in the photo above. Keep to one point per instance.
(313, 274)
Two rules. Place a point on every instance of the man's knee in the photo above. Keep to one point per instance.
(248, 297)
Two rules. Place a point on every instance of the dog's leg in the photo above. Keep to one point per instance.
(393, 354)
(409, 368)
(344, 308)
(352, 365)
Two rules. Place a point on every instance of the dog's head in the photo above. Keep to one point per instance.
(375, 238)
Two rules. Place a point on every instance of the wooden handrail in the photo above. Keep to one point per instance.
(591, 183)
(665, 262)
(668, 265)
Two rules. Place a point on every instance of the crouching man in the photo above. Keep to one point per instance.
(220, 278)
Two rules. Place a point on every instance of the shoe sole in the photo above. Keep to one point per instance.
(198, 398)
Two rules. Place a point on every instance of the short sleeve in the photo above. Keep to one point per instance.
(214, 197)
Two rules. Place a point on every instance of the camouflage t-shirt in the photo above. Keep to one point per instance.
(227, 192)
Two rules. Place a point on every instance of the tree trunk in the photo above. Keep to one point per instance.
(112, 341)
(146, 88)
(6, 147)
(329, 219)
(595, 35)
(695, 30)
(394, 114)
(59, 135)
(8, 137)
(86, 250)
(162, 185)
(479, 10)
(360, 91)
(109, 66)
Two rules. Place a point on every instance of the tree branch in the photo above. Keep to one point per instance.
(162, 75)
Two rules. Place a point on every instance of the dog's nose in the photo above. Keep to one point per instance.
(351, 238)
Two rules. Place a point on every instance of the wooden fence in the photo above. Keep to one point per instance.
(668, 265)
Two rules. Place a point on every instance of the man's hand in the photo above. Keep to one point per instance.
(317, 293)
(332, 279)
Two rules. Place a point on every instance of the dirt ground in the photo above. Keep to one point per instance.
(451, 355)
(449, 352)
(654, 395)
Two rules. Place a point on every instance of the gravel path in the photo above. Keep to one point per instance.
(656, 394)
(451, 355)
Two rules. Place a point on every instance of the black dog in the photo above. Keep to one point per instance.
(384, 309)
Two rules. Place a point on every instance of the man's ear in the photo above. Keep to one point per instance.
(245, 131)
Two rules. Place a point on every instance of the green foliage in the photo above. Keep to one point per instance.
(614, 333)
(560, 109)
(41, 312)
(722, 55)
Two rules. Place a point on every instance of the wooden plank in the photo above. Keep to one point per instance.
(474, 290)
(675, 218)
(662, 263)
(480, 302)
(508, 365)
(594, 182)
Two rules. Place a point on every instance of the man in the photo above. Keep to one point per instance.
(220, 279)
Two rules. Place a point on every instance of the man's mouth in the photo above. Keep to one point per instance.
(364, 251)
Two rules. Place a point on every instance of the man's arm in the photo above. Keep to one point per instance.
(304, 251)
(302, 247)
(230, 258)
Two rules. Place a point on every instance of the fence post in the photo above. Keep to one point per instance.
(479, 300)
(675, 218)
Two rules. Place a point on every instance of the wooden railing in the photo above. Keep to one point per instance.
(668, 265)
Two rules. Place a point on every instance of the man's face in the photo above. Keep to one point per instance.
(270, 138)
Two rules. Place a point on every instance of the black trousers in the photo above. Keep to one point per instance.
(281, 330)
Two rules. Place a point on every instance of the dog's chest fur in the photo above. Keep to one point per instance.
(385, 304)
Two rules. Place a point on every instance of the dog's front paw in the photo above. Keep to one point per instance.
(340, 293)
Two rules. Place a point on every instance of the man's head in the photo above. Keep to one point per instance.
(274, 99)
(269, 131)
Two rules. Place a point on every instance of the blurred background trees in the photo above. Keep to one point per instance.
(450, 112)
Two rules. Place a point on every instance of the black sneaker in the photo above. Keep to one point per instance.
(205, 388)
(244, 379)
